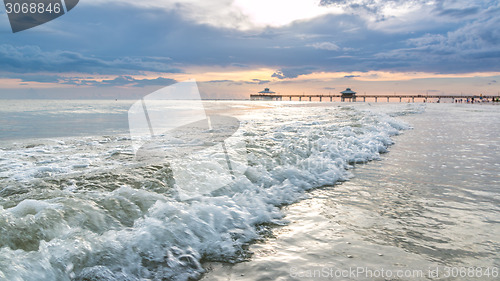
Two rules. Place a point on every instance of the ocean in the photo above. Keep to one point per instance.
(268, 191)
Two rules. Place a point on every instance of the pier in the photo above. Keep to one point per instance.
(351, 96)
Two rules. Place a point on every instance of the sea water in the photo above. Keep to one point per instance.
(76, 204)
(428, 210)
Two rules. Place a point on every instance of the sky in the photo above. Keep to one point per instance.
(125, 49)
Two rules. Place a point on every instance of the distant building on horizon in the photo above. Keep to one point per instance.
(267, 94)
(267, 91)
(348, 94)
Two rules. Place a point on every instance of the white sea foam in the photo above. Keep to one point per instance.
(91, 213)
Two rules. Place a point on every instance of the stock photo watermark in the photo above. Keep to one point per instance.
(363, 273)
(25, 14)
(171, 125)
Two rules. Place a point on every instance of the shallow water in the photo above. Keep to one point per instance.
(34, 119)
(429, 209)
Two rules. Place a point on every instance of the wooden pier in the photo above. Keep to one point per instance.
(376, 98)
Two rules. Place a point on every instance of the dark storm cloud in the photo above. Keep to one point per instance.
(24, 59)
(220, 81)
(158, 41)
(121, 81)
(459, 12)
(130, 40)
(39, 78)
(232, 82)
(293, 72)
(259, 81)
(472, 47)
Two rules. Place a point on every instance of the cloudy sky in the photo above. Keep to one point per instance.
(128, 48)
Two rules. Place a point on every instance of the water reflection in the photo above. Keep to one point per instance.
(433, 200)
